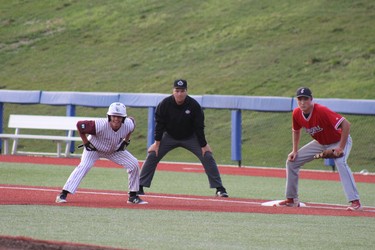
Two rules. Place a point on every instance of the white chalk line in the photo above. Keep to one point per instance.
(325, 206)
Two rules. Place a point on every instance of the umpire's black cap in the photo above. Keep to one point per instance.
(303, 91)
(180, 84)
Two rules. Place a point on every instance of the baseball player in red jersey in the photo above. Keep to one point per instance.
(329, 131)
(108, 138)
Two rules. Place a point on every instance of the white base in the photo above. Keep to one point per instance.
(274, 203)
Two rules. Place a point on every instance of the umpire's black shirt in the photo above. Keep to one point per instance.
(180, 121)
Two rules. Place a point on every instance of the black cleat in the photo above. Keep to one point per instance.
(140, 191)
(61, 198)
(136, 200)
(221, 192)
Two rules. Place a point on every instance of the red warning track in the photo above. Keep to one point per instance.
(26, 195)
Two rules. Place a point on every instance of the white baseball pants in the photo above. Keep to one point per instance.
(122, 158)
(306, 154)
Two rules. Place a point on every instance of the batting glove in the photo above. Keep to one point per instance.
(123, 145)
(90, 147)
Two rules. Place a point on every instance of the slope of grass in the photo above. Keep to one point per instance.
(236, 48)
(242, 47)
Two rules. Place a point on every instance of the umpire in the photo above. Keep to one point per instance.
(180, 123)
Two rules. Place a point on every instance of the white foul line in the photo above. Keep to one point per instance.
(316, 205)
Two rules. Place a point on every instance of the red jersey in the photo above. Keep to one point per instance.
(322, 124)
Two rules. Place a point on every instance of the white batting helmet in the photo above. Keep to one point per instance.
(117, 109)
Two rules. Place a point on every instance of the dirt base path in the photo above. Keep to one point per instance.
(24, 195)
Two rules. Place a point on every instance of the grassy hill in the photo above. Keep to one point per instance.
(227, 47)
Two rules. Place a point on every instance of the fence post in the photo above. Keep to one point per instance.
(151, 126)
(71, 111)
(236, 136)
(1, 123)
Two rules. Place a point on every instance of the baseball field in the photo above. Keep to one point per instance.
(242, 47)
(182, 212)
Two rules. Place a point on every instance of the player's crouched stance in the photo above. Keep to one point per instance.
(329, 131)
(108, 138)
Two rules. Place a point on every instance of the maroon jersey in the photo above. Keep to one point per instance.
(322, 124)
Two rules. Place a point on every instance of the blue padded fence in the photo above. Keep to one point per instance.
(149, 100)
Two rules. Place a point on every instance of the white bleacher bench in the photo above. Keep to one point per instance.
(40, 123)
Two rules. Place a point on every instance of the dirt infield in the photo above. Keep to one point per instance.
(21, 243)
(23, 195)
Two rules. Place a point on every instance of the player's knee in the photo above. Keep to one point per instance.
(133, 167)
(290, 164)
(208, 155)
(152, 157)
(287, 163)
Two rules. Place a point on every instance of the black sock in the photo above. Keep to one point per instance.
(131, 194)
(64, 192)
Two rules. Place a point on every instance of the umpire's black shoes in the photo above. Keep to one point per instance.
(140, 191)
(221, 192)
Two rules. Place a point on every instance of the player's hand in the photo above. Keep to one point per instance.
(205, 149)
(124, 145)
(154, 148)
(90, 147)
(292, 156)
(338, 151)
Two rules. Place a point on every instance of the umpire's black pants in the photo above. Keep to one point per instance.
(168, 143)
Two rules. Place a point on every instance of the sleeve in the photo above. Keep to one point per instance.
(199, 125)
(334, 119)
(132, 123)
(86, 127)
(160, 121)
(295, 123)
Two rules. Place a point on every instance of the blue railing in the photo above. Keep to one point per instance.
(138, 100)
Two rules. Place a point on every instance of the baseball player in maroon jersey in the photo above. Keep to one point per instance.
(329, 131)
(108, 138)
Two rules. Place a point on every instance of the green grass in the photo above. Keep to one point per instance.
(158, 229)
(141, 229)
(260, 48)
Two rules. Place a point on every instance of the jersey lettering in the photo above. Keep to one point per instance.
(322, 124)
(314, 130)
